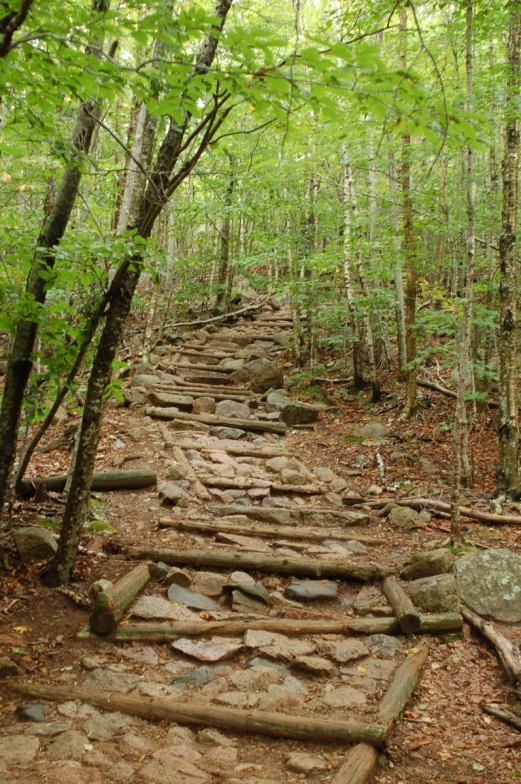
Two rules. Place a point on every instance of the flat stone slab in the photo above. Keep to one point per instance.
(344, 697)
(213, 650)
(155, 607)
(345, 651)
(309, 590)
(490, 584)
(195, 601)
(306, 763)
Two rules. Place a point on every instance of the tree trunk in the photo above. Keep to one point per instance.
(221, 300)
(161, 184)
(508, 464)
(356, 342)
(398, 272)
(409, 252)
(20, 359)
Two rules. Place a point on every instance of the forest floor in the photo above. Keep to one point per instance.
(443, 736)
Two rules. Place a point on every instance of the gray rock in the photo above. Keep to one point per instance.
(145, 380)
(232, 409)
(215, 738)
(49, 730)
(292, 412)
(315, 665)
(290, 477)
(174, 493)
(255, 590)
(438, 593)
(344, 697)
(490, 584)
(300, 762)
(261, 662)
(34, 544)
(194, 601)
(105, 726)
(338, 485)
(325, 474)
(204, 405)
(309, 590)
(355, 547)
(244, 603)
(177, 576)
(155, 607)
(383, 645)
(182, 402)
(362, 461)
(69, 745)
(405, 518)
(160, 571)
(372, 430)
(208, 583)
(264, 375)
(376, 669)
(18, 749)
(215, 649)
(197, 677)
(233, 433)
(33, 712)
(145, 654)
(172, 769)
(282, 463)
(107, 680)
(345, 651)
(334, 499)
(426, 564)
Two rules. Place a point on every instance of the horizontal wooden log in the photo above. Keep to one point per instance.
(406, 613)
(239, 483)
(302, 514)
(201, 366)
(255, 425)
(237, 390)
(258, 563)
(111, 605)
(213, 379)
(195, 393)
(232, 316)
(167, 632)
(434, 505)
(278, 725)
(265, 531)
(101, 481)
(244, 450)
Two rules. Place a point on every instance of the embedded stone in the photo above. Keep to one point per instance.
(439, 561)
(490, 584)
(315, 665)
(215, 649)
(195, 601)
(33, 712)
(438, 593)
(345, 651)
(34, 544)
(310, 590)
(344, 697)
(405, 518)
(307, 764)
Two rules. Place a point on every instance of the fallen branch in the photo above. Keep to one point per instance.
(465, 511)
(258, 563)
(449, 392)
(278, 725)
(440, 623)
(358, 767)
(224, 317)
(110, 605)
(507, 652)
(101, 481)
(505, 716)
(266, 531)
(406, 613)
(256, 425)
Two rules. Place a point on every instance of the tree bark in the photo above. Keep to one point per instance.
(161, 184)
(20, 359)
(406, 613)
(111, 605)
(508, 463)
(101, 481)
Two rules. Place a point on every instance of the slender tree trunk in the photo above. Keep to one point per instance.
(398, 271)
(221, 300)
(161, 184)
(356, 342)
(20, 360)
(460, 458)
(508, 464)
(409, 252)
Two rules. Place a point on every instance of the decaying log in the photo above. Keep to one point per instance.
(406, 613)
(465, 511)
(204, 388)
(168, 631)
(110, 605)
(360, 763)
(244, 450)
(255, 425)
(502, 715)
(265, 531)
(257, 563)
(102, 480)
(507, 652)
(239, 483)
(202, 366)
(278, 725)
(195, 393)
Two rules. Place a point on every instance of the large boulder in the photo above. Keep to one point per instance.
(372, 430)
(264, 375)
(490, 584)
(35, 544)
(145, 380)
(438, 593)
(405, 518)
(232, 409)
(293, 412)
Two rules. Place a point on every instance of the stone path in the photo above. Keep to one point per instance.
(230, 486)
